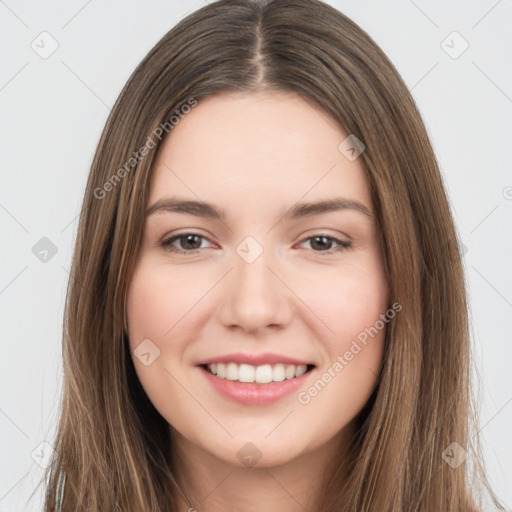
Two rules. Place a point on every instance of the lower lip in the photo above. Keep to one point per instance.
(255, 394)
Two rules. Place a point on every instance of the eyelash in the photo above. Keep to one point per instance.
(166, 243)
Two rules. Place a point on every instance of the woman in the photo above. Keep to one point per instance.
(267, 306)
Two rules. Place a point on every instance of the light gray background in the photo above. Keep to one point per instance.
(52, 113)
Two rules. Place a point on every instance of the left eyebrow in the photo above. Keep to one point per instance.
(308, 209)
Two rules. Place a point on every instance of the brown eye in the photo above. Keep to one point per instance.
(187, 243)
(323, 244)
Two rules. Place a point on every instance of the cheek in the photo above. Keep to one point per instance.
(348, 300)
(156, 305)
(352, 304)
(158, 302)
(158, 308)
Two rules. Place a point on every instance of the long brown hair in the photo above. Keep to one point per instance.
(112, 445)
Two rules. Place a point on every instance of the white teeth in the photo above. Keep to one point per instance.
(246, 373)
(221, 370)
(290, 372)
(260, 374)
(278, 373)
(263, 374)
(301, 370)
(232, 371)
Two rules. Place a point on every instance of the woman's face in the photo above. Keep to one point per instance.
(237, 265)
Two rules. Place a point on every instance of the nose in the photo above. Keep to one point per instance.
(254, 297)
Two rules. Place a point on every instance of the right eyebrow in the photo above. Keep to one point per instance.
(197, 208)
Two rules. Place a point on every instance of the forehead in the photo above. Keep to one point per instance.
(257, 150)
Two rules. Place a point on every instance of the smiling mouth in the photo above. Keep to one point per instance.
(263, 374)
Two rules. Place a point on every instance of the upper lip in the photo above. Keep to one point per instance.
(253, 359)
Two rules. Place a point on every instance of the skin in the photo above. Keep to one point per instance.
(255, 156)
